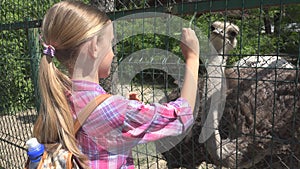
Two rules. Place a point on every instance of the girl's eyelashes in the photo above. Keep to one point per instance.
(114, 49)
(114, 41)
(114, 46)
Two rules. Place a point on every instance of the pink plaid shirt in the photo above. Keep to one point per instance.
(119, 124)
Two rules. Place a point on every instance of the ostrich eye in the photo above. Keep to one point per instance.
(212, 28)
(232, 33)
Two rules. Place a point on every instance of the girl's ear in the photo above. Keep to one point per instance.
(93, 49)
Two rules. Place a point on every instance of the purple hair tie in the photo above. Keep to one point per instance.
(48, 50)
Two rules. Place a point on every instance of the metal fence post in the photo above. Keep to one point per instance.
(34, 51)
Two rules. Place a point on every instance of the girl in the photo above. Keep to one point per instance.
(79, 37)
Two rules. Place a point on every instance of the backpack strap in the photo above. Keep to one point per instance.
(87, 110)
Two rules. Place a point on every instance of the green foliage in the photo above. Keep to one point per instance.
(253, 38)
(16, 67)
(16, 83)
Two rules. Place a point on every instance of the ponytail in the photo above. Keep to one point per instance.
(55, 121)
(63, 40)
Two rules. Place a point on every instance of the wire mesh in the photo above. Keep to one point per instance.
(260, 123)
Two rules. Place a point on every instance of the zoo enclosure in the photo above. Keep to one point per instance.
(20, 54)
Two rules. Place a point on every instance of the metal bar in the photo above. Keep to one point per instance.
(34, 52)
(175, 9)
(21, 25)
(220, 5)
(11, 143)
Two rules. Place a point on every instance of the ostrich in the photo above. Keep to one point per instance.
(262, 102)
(260, 117)
(211, 88)
(224, 144)
(222, 40)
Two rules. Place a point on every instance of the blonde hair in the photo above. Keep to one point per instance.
(66, 26)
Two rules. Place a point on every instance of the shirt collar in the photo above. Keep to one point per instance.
(81, 85)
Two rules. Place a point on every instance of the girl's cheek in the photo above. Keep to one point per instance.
(104, 68)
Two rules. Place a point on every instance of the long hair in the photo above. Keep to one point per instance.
(66, 26)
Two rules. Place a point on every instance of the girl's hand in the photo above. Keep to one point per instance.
(133, 96)
(189, 44)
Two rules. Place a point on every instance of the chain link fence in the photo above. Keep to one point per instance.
(260, 123)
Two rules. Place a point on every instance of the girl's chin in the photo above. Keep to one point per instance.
(103, 75)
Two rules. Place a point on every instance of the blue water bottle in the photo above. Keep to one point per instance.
(35, 152)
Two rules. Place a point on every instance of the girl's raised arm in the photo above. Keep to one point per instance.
(190, 50)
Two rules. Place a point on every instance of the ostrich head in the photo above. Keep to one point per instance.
(223, 32)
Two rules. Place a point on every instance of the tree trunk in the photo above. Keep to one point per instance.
(277, 23)
(267, 21)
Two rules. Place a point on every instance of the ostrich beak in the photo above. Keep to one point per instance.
(218, 31)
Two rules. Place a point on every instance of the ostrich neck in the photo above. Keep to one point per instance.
(220, 58)
(215, 69)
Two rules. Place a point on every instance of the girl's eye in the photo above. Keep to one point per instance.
(114, 49)
(114, 46)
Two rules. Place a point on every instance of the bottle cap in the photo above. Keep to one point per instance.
(35, 149)
(32, 143)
